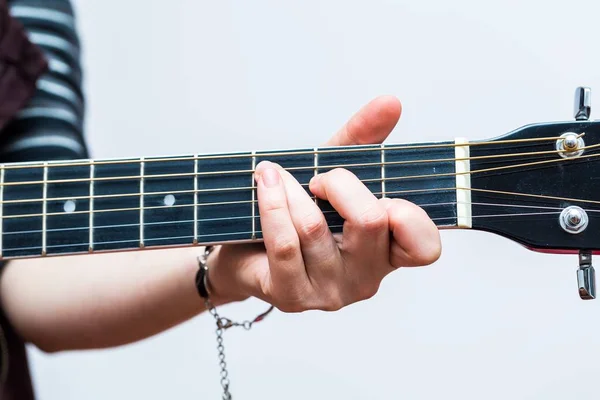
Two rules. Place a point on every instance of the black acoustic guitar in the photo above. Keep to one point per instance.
(536, 185)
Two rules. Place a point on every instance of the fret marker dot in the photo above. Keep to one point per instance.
(169, 200)
(69, 206)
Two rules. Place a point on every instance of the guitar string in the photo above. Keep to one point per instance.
(247, 233)
(308, 168)
(221, 190)
(322, 150)
(246, 217)
(4, 216)
(221, 203)
(238, 202)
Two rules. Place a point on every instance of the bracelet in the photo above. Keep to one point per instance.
(203, 287)
(202, 274)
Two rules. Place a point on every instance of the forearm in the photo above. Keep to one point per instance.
(97, 301)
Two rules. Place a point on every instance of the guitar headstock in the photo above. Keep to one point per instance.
(540, 186)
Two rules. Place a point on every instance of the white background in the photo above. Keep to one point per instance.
(488, 320)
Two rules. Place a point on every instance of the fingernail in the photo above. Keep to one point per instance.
(270, 177)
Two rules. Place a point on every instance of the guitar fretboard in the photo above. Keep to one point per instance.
(80, 206)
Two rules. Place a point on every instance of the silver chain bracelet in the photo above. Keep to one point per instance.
(203, 286)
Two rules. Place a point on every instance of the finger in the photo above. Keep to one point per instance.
(279, 235)
(372, 124)
(416, 238)
(365, 232)
(319, 248)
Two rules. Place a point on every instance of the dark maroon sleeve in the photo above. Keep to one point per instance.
(21, 64)
(15, 376)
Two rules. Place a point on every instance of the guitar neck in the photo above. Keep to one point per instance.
(82, 206)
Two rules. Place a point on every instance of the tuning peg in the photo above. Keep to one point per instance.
(583, 103)
(586, 276)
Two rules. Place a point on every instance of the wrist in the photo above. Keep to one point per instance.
(221, 288)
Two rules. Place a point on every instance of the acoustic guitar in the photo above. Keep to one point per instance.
(536, 185)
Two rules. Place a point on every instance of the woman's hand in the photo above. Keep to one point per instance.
(301, 265)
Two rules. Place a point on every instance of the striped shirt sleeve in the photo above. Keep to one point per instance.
(51, 125)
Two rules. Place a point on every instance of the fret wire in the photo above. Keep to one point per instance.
(195, 200)
(1, 209)
(142, 202)
(382, 170)
(454, 159)
(91, 221)
(44, 209)
(253, 196)
(333, 149)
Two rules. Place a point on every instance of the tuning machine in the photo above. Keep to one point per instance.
(583, 103)
(586, 275)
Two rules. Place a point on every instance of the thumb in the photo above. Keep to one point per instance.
(372, 124)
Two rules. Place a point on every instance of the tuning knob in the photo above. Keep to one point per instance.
(583, 103)
(586, 276)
